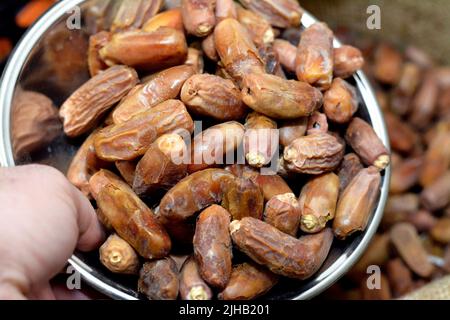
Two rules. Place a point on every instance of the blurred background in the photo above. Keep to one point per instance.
(413, 47)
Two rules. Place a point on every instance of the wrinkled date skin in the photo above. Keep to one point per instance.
(271, 185)
(212, 96)
(367, 145)
(291, 130)
(211, 146)
(314, 154)
(158, 279)
(129, 140)
(259, 29)
(85, 106)
(192, 286)
(281, 253)
(118, 256)
(146, 51)
(280, 13)
(162, 165)
(340, 102)
(198, 16)
(194, 193)
(158, 88)
(260, 139)
(130, 217)
(212, 246)
(351, 165)
(318, 200)
(347, 60)
(84, 164)
(283, 212)
(96, 43)
(317, 123)
(279, 98)
(357, 202)
(35, 122)
(287, 54)
(127, 170)
(170, 18)
(248, 281)
(132, 14)
(236, 50)
(315, 56)
(243, 198)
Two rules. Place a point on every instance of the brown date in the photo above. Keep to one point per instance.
(314, 154)
(162, 166)
(424, 105)
(118, 256)
(243, 198)
(225, 9)
(281, 253)
(130, 217)
(248, 281)
(279, 98)
(158, 279)
(209, 48)
(127, 170)
(351, 165)
(437, 195)
(367, 145)
(212, 246)
(199, 16)
(213, 96)
(317, 123)
(131, 139)
(283, 212)
(96, 43)
(133, 14)
(400, 277)
(340, 101)
(388, 64)
(271, 185)
(287, 54)
(440, 232)
(170, 18)
(315, 56)
(402, 136)
(259, 29)
(317, 202)
(146, 51)
(158, 88)
(291, 130)
(83, 109)
(195, 60)
(192, 286)
(410, 79)
(280, 13)
(347, 60)
(357, 202)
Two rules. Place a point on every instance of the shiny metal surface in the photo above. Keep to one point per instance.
(343, 254)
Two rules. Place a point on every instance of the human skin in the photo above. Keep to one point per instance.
(43, 220)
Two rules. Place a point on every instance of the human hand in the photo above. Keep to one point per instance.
(43, 220)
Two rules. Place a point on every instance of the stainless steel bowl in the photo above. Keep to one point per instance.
(22, 67)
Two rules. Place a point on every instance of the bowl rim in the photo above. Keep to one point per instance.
(7, 87)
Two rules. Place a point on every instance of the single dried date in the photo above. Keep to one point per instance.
(280, 13)
(243, 198)
(283, 212)
(198, 16)
(350, 166)
(192, 286)
(291, 130)
(347, 60)
(158, 279)
(118, 256)
(340, 101)
(170, 18)
(96, 43)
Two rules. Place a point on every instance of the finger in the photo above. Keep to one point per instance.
(42, 292)
(91, 234)
(62, 293)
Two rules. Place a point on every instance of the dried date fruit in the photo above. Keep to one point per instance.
(192, 286)
(131, 218)
(212, 246)
(315, 56)
(104, 220)
(242, 171)
(96, 43)
(388, 64)
(132, 14)
(146, 51)
(313, 154)
(283, 212)
(194, 193)
(131, 139)
(158, 88)
(340, 101)
(291, 130)
(260, 139)
(441, 231)
(317, 201)
(198, 16)
(281, 253)
(367, 145)
(409, 80)
(35, 122)
(83, 109)
(243, 198)
(209, 48)
(422, 220)
(280, 13)
(170, 18)
(259, 29)
(162, 166)
(279, 98)
(347, 60)
(271, 185)
(351, 165)
(225, 9)
(424, 105)
(407, 202)
(405, 239)
(287, 54)
(356, 203)
(377, 253)
(118, 256)
(405, 175)
(419, 57)
(158, 280)
(402, 136)
(271, 61)
(400, 277)
(436, 196)
(195, 60)
(213, 96)
(215, 146)
(317, 123)
(248, 281)
(127, 170)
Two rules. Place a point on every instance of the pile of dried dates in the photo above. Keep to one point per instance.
(214, 129)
